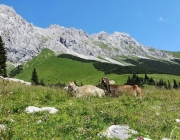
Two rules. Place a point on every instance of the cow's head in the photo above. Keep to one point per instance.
(104, 82)
(71, 86)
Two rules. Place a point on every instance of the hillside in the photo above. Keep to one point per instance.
(175, 54)
(64, 68)
(54, 69)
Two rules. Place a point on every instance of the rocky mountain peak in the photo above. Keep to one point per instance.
(23, 41)
(6, 9)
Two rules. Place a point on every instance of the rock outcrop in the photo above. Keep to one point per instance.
(24, 41)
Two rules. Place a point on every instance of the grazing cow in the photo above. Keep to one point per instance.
(117, 90)
(84, 91)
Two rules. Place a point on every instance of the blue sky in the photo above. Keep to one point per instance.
(153, 23)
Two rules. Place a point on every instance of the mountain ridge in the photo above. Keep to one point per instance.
(24, 41)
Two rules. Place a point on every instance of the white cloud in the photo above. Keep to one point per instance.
(161, 19)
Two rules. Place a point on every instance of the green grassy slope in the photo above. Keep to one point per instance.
(64, 68)
(175, 54)
(54, 69)
(10, 66)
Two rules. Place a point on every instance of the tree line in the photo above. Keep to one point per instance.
(140, 81)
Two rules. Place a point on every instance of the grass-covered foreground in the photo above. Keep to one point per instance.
(152, 116)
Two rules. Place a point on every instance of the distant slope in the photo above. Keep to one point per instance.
(175, 54)
(64, 68)
(53, 69)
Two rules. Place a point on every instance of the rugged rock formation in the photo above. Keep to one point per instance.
(24, 41)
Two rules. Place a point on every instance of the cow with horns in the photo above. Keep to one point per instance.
(117, 90)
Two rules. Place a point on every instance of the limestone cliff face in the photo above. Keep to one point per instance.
(23, 41)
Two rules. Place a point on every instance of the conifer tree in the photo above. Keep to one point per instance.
(175, 86)
(3, 58)
(146, 78)
(133, 79)
(169, 85)
(42, 83)
(151, 81)
(137, 81)
(128, 81)
(161, 82)
(165, 85)
(34, 78)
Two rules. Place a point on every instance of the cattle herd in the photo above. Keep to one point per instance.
(105, 88)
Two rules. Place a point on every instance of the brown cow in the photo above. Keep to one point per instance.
(117, 90)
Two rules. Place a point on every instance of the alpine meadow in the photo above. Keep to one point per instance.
(153, 116)
(43, 69)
